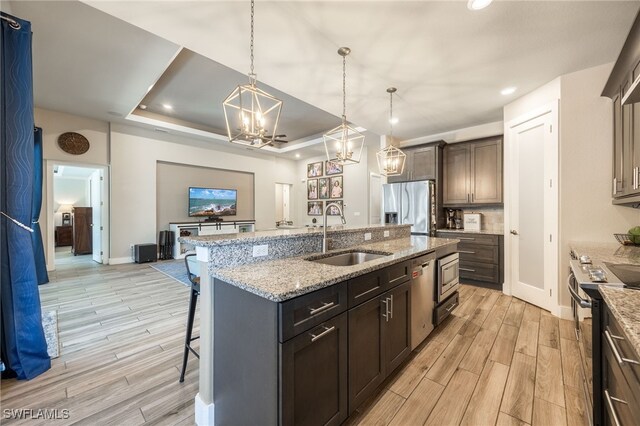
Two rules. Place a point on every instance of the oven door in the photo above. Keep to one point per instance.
(448, 276)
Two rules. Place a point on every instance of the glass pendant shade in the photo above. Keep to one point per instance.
(391, 161)
(251, 115)
(343, 145)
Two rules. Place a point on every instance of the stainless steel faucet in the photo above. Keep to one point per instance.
(324, 224)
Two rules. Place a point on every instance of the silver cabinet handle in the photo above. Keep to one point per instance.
(386, 309)
(634, 180)
(466, 239)
(472, 196)
(325, 306)
(450, 308)
(615, 186)
(467, 198)
(324, 333)
(612, 409)
(575, 296)
(391, 309)
(466, 252)
(621, 360)
(466, 269)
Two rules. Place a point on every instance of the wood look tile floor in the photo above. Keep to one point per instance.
(495, 361)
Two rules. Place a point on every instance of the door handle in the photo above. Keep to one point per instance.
(575, 296)
(514, 232)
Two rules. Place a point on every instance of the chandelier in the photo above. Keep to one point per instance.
(343, 144)
(391, 159)
(249, 111)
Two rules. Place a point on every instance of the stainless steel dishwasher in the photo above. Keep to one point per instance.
(422, 297)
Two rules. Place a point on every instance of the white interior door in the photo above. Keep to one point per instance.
(533, 205)
(286, 201)
(375, 199)
(95, 190)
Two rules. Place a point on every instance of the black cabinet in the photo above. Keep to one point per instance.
(422, 163)
(472, 173)
(379, 340)
(314, 375)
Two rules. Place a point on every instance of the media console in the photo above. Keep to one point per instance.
(205, 228)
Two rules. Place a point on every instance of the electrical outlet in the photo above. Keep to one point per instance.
(261, 250)
(386, 233)
(367, 236)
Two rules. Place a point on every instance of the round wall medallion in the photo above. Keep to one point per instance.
(73, 143)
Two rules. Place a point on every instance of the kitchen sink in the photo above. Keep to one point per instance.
(348, 259)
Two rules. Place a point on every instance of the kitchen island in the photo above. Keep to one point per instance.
(257, 310)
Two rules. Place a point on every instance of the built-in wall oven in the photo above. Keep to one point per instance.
(446, 294)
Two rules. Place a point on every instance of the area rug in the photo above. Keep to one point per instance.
(175, 269)
(50, 326)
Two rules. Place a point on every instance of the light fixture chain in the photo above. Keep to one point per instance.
(391, 116)
(252, 74)
(344, 88)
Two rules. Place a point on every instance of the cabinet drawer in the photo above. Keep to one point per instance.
(465, 237)
(478, 271)
(307, 311)
(622, 347)
(444, 310)
(397, 274)
(478, 253)
(366, 286)
(619, 400)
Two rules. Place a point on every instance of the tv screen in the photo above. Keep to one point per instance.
(207, 202)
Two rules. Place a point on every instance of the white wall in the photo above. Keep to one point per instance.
(73, 191)
(355, 191)
(586, 140)
(134, 155)
(532, 100)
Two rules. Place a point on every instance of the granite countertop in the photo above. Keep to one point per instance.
(607, 252)
(261, 236)
(625, 306)
(482, 231)
(283, 279)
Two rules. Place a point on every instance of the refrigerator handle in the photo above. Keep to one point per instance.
(405, 204)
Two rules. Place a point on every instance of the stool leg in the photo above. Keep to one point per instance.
(193, 298)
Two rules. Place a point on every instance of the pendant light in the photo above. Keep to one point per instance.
(391, 159)
(343, 144)
(251, 114)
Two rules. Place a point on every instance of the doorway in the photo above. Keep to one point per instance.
(375, 199)
(77, 215)
(531, 244)
(283, 203)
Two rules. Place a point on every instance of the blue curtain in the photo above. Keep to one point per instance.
(24, 349)
(36, 236)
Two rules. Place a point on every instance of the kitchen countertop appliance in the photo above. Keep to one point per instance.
(411, 203)
(423, 270)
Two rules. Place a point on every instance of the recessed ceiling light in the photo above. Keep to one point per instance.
(507, 91)
(143, 106)
(297, 155)
(393, 120)
(478, 4)
(167, 106)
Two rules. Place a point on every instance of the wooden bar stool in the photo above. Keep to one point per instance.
(193, 299)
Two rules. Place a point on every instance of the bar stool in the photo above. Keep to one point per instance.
(193, 299)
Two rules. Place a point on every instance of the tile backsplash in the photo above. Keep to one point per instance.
(492, 217)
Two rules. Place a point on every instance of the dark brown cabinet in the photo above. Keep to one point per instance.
(421, 164)
(379, 340)
(314, 375)
(64, 236)
(473, 173)
(82, 230)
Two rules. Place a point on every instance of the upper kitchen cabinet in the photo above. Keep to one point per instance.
(473, 173)
(623, 87)
(421, 164)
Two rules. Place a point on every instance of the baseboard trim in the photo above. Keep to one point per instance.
(205, 413)
(120, 260)
(565, 312)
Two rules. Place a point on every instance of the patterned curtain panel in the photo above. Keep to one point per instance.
(36, 235)
(24, 349)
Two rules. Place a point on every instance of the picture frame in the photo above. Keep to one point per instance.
(324, 188)
(312, 189)
(66, 219)
(314, 208)
(336, 189)
(314, 169)
(332, 168)
(333, 211)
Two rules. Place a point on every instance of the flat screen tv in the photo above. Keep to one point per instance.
(212, 202)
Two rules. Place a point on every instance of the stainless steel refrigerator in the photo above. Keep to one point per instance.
(410, 203)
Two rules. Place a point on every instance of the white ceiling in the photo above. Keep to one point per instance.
(448, 63)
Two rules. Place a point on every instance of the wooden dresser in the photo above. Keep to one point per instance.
(64, 236)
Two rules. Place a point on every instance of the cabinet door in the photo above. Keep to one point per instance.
(314, 375)
(627, 152)
(396, 329)
(423, 164)
(456, 175)
(617, 147)
(486, 172)
(635, 149)
(366, 363)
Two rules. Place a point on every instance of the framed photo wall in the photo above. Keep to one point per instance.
(324, 182)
